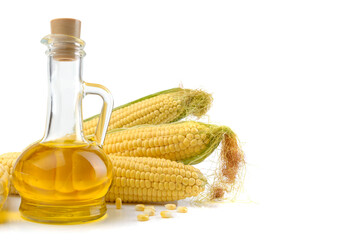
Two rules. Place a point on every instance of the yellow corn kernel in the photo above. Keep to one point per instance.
(139, 207)
(170, 206)
(142, 217)
(166, 214)
(182, 210)
(191, 181)
(118, 203)
(149, 211)
(151, 207)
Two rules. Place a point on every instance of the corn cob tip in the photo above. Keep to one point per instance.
(199, 102)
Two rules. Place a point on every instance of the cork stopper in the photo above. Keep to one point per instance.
(70, 27)
(67, 26)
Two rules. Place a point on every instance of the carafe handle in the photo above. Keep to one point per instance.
(104, 117)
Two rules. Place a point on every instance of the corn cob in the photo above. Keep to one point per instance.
(145, 179)
(4, 183)
(7, 160)
(153, 180)
(162, 107)
(188, 142)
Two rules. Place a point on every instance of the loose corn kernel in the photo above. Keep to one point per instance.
(166, 214)
(170, 206)
(182, 209)
(118, 203)
(149, 211)
(139, 207)
(142, 217)
(151, 207)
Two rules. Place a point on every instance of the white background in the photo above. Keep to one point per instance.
(273, 68)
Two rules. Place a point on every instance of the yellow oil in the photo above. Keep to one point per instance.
(62, 182)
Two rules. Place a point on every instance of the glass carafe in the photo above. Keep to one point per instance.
(64, 177)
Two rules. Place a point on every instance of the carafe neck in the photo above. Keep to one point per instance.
(65, 94)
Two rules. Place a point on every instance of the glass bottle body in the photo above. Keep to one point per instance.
(64, 177)
(62, 182)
